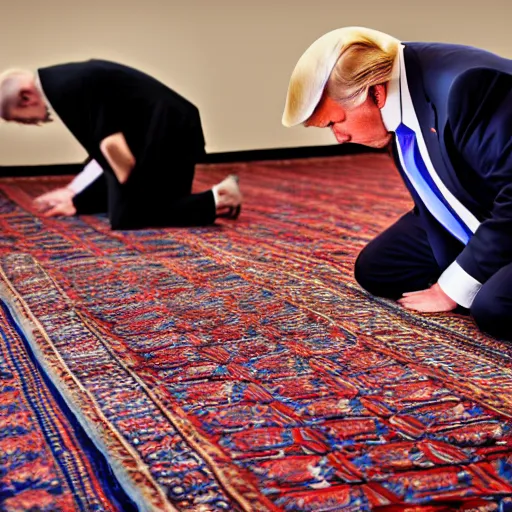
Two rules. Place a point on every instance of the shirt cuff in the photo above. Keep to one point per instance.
(91, 172)
(459, 285)
(215, 194)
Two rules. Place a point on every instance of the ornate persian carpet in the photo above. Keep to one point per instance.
(240, 367)
(47, 463)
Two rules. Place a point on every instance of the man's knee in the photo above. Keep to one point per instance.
(123, 219)
(363, 270)
(492, 316)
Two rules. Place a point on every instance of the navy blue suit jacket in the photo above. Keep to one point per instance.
(465, 94)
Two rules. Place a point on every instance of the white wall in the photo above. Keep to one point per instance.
(232, 58)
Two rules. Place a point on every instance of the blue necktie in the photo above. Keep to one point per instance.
(425, 186)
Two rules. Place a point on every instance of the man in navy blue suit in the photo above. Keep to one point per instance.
(446, 112)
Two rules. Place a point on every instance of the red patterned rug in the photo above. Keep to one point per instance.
(240, 367)
(47, 462)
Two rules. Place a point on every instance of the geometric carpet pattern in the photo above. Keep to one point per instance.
(42, 460)
(240, 367)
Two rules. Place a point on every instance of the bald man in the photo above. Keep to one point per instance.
(143, 139)
(446, 111)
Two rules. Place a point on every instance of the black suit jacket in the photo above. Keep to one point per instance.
(97, 98)
(465, 94)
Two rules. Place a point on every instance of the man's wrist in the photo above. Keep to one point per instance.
(70, 188)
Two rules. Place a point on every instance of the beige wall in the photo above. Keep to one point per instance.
(231, 58)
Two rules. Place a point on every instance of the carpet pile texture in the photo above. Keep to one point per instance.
(240, 367)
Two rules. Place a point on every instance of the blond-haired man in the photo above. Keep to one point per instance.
(446, 112)
(143, 139)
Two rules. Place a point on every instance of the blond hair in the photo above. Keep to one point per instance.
(363, 57)
(360, 66)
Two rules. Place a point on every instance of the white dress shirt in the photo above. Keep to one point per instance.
(454, 281)
(91, 172)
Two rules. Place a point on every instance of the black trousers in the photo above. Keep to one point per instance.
(400, 260)
(153, 197)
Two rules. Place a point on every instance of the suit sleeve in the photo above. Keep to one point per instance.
(480, 117)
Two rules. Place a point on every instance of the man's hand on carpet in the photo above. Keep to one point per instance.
(432, 300)
(61, 210)
(58, 202)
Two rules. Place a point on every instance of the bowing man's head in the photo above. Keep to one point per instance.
(21, 99)
(340, 82)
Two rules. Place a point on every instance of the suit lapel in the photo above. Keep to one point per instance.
(432, 122)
